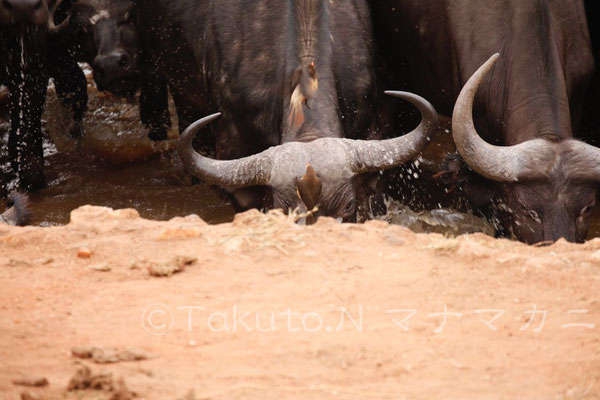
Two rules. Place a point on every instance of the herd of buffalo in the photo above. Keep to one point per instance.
(294, 99)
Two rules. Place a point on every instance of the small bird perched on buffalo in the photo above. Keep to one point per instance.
(304, 84)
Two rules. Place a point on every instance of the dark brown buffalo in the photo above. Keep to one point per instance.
(295, 84)
(103, 33)
(28, 58)
(14, 12)
(526, 108)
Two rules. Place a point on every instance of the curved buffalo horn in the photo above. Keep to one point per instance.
(499, 163)
(375, 155)
(52, 28)
(589, 156)
(254, 170)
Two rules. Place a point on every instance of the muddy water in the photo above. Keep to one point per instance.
(115, 165)
(155, 188)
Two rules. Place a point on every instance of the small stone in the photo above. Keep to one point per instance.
(140, 263)
(29, 396)
(121, 392)
(84, 252)
(31, 381)
(184, 261)
(83, 379)
(82, 352)
(110, 355)
(125, 213)
(164, 269)
(103, 267)
(18, 263)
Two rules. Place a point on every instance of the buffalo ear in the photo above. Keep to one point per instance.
(309, 188)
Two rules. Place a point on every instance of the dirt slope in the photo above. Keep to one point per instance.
(272, 310)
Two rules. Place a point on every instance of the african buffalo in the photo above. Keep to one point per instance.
(28, 59)
(542, 183)
(103, 33)
(295, 83)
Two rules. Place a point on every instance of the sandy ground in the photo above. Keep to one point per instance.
(265, 309)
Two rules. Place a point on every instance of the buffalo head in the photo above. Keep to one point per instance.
(106, 35)
(325, 173)
(548, 185)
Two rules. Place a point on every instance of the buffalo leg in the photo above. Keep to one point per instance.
(69, 80)
(154, 105)
(27, 81)
(25, 138)
(71, 86)
(188, 114)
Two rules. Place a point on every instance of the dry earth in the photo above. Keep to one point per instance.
(262, 308)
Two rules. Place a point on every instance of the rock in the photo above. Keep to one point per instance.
(177, 264)
(29, 396)
(31, 381)
(121, 392)
(84, 252)
(184, 261)
(164, 269)
(103, 267)
(83, 379)
(192, 218)
(17, 263)
(110, 355)
(85, 214)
